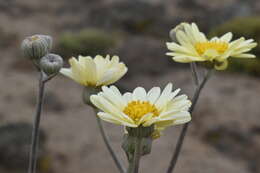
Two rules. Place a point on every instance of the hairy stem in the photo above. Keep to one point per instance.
(186, 126)
(36, 125)
(194, 72)
(107, 143)
(134, 163)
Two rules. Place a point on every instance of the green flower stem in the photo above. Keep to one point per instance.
(186, 126)
(107, 143)
(134, 163)
(35, 132)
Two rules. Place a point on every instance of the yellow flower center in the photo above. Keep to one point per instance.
(219, 46)
(34, 38)
(137, 109)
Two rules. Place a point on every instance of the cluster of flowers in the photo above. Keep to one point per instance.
(144, 114)
(153, 107)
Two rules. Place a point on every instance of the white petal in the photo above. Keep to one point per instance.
(150, 121)
(173, 94)
(214, 39)
(145, 118)
(179, 103)
(112, 119)
(199, 36)
(90, 71)
(174, 115)
(245, 55)
(153, 94)
(116, 90)
(177, 48)
(128, 97)
(107, 76)
(168, 113)
(106, 106)
(67, 72)
(77, 70)
(182, 121)
(163, 98)
(161, 125)
(113, 97)
(139, 94)
(115, 59)
(109, 118)
(117, 75)
(227, 37)
(189, 32)
(185, 58)
(184, 40)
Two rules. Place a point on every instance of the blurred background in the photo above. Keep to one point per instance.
(225, 132)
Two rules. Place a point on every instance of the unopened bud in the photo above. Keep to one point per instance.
(48, 40)
(51, 63)
(36, 46)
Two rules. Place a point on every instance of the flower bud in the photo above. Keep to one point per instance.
(51, 64)
(48, 40)
(87, 92)
(141, 132)
(129, 140)
(36, 46)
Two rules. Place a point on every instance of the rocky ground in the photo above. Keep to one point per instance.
(225, 131)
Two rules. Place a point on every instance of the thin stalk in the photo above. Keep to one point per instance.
(109, 147)
(134, 163)
(194, 72)
(186, 126)
(36, 125)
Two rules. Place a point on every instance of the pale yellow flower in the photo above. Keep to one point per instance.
(96, 71)
(194, 46)
(138, 108)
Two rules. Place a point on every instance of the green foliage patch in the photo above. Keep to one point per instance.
(88, 42)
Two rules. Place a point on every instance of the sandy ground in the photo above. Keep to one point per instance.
(74, 142)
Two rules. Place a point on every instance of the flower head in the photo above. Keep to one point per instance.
(141, 108)
(194, 46)
(96, 71)
(51, 63)
(36, 46)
